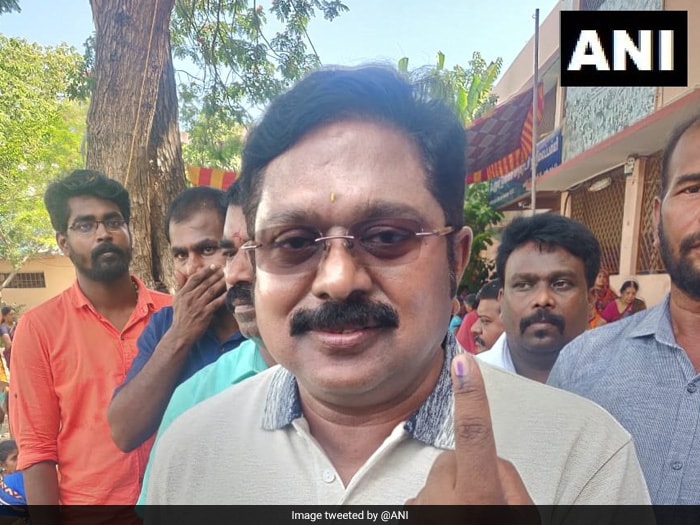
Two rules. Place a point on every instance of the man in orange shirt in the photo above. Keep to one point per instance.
(72, 351)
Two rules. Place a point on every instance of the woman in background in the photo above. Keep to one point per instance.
(626, 305)
(7, 331)
(604, 295)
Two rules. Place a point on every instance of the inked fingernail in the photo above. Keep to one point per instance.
(459, 368)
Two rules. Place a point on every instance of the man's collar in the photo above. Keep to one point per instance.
(431, 424)
(653, 321)
(145, 299)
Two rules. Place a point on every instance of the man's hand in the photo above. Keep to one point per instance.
(472, 473)
(195, 303)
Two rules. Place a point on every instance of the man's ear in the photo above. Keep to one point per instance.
(462, 248)
(656, 214)
(62, 242)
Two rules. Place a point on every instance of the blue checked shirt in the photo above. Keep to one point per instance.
(636, 371)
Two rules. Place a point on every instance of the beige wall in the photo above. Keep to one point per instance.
(59, 274)
(668, 94)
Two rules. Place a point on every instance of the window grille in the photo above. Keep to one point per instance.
(648, 258)
(602, 211)
(25, 280)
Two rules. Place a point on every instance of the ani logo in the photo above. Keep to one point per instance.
(624, 48)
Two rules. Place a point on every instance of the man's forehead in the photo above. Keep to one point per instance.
(487, 307)
(685, 159)
(543, 260)
(88, 204)
(235, 224)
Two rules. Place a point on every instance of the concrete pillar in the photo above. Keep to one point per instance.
(631, 219)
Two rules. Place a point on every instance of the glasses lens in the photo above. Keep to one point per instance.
(83, 226)
(287, 250)
(388, 241)
(114, 224)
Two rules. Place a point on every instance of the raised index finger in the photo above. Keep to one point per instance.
(477, 467)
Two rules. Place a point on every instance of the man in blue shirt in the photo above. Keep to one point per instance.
(251, 356)
(191, 334)
(644, 369)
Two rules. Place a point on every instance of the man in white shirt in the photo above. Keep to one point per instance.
(548, 264)
(355, 187)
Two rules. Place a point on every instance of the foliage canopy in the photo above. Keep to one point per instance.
(468, 91)
(41, 129)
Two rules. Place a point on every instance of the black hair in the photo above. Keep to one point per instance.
(548, 231)
(629, 284)
(490, 290)
(234, 194)
(673, 139)
(83, 183)
(6, 448)
(373, 93)
(471, 301)
(192, 200)
(5, 310)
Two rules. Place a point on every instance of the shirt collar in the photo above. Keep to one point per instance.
(654, 321)
(431, 424)
(144, 302)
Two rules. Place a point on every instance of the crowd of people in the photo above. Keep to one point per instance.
(318, 351)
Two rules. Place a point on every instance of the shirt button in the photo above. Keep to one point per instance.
(677, 465)
(328, 476)
(692, 388)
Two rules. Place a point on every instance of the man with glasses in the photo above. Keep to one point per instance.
(197, 330)
(72, 351)
(355, 187)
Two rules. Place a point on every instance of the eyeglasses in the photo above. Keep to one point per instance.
(112, 224)
(299, 249)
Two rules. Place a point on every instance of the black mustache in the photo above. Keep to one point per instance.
(542, 316)
(689, 242)
(241, 290)
(107, 247)
(336, 315)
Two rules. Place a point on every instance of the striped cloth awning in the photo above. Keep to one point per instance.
(501, 140)
(214, 177)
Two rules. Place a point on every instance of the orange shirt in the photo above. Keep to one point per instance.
(66, 362)
(596, 321)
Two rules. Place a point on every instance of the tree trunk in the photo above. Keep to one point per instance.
(132, 131)
(167, 171)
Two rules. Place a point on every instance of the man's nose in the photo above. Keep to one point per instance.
(543, 296)
(339, 274)
(476, 328)
(102, 232)
(238, 269)
(193, 263)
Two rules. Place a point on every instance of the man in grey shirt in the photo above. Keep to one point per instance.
(644, 369)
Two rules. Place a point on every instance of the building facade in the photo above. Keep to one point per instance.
(611, 143)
